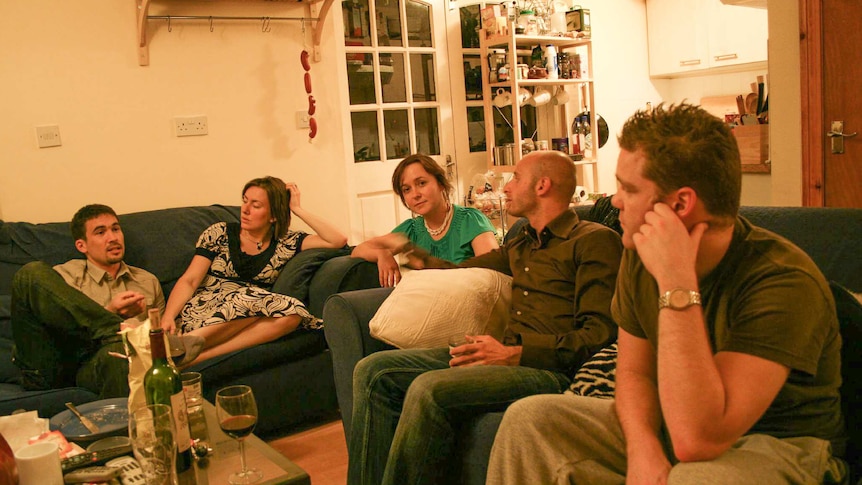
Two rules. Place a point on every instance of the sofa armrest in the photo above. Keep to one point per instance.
(340, 274)
(346, 316)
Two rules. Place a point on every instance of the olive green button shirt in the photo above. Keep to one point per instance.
(563, 280)
(97, 284)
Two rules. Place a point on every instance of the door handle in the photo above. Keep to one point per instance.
(837, 135)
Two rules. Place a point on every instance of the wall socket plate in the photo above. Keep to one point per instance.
(190, 125)
(48, 136)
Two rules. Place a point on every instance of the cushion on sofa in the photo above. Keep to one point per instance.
(429, 306)
(295, 278)
(597, 376)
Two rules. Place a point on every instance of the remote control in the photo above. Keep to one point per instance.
(90, 458)
(132, 474)
(92, 474)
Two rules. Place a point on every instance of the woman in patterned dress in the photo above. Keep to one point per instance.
(445, 230)
(224, 295)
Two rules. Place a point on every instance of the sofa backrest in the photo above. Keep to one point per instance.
(160, 241)
(832, 237)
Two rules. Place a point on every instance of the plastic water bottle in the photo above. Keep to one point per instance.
(551, 62)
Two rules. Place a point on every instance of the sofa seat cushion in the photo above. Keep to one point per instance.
(292, 347)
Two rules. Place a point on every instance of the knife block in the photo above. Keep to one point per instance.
(753, 142)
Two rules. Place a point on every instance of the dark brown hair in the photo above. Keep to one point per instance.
(279, 201)
(685, 146)
(429, 165)
(84, 214)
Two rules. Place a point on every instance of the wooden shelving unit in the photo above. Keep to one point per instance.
(583, 97)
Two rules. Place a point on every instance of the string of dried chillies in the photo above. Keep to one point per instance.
(312, 123)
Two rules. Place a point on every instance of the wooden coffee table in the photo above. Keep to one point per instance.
(224, 459)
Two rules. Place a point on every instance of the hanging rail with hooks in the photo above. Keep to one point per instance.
(144, 18)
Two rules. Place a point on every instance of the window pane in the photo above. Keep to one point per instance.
(357, 29)
(397, 133)
(476, 128)
(365, 136)
(469, 23)
(473, 77)
(389, 23)
(427, 138)
(419, 24)
(422, 67)
(360, 78)
(392, 77)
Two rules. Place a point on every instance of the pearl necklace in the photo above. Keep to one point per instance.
(439, 230)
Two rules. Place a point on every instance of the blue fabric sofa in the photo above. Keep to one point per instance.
(291, 377)
(832, 237)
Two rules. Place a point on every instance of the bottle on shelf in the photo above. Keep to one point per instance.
(162, 385)
(585, 128)
(551, 62)
(576, 136)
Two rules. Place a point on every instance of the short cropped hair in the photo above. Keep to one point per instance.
(429, 165)
(84, 214)
(279, 201)
(685, 146)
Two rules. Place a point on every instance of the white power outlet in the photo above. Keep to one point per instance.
(190, 125)
(302, 118)
(48, 136)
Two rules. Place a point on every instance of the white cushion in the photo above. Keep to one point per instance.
(429, 306)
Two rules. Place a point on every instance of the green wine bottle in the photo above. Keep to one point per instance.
(162, 385)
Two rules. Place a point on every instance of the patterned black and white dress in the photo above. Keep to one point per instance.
(238, 285)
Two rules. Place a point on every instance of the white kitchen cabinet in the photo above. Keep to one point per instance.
(691, 36)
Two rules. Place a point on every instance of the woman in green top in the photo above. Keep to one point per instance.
(445, 230)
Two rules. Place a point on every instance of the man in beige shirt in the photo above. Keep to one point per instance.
(65, 319)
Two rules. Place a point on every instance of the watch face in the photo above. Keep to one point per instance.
(679, 299)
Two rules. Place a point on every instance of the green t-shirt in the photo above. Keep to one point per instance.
(768, 299)
(455, 246)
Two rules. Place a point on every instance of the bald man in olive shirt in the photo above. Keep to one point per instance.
(408, 403)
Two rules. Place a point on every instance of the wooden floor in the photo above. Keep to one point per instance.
(320, 451)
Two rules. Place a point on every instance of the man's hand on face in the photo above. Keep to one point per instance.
(667, 249)
(127, 304)
(484, 350)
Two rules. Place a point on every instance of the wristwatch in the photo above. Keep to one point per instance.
(678, 299)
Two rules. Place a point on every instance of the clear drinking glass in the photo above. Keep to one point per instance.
(236, 410)
(151, 429)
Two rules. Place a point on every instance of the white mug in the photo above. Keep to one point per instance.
(561, 96)
(39, 464)
(503, 98)
(540, 97)
(523, 96)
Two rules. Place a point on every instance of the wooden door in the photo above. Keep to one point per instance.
(831, 35)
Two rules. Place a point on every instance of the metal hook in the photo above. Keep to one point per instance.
(170, 29)
(302, 22)
(264, 26)
(211, 23)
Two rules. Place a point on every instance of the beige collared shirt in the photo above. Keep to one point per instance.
(102, 287)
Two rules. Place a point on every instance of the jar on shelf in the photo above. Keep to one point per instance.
(528, 21)
(496, 60)
(563, 65)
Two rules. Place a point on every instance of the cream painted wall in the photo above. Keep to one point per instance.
(621, 68)
(75, 64)
(785, 98)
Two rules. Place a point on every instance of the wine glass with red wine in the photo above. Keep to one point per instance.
(237, 414)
